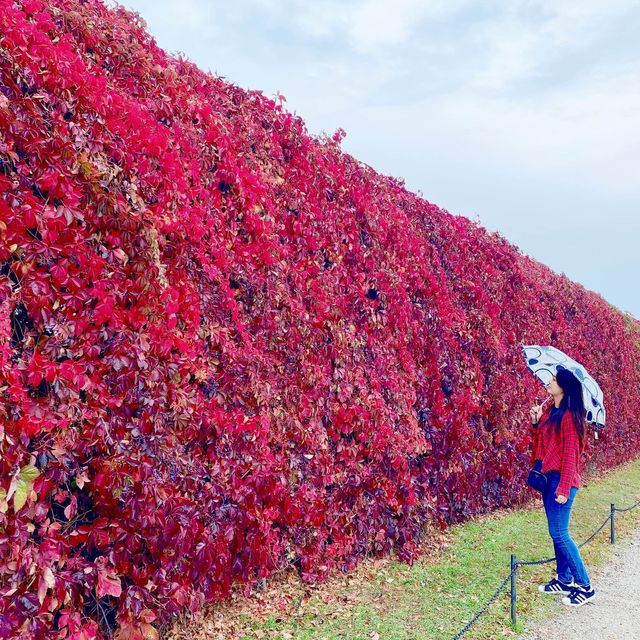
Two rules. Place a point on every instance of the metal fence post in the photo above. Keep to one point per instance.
(613, 527)
(514, 568)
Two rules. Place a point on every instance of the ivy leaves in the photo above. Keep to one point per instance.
(244, 345)
(20, 489)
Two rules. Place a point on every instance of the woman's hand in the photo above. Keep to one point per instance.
(561, 499)
(536, 413)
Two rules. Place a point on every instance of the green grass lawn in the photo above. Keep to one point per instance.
(435, 597)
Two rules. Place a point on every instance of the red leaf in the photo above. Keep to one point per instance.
(108, 584)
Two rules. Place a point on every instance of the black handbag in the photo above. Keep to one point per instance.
(536, 479)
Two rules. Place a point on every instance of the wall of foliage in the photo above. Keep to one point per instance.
(228, 348)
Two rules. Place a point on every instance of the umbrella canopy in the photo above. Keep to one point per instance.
(544, 362)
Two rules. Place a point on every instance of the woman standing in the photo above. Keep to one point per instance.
(558, 440)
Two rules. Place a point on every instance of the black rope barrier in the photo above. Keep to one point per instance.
(491, 600)
(516, 564)
(595, 533)
(534, 562)
(633, 506)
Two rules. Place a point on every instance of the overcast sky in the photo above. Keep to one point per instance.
(524, 115)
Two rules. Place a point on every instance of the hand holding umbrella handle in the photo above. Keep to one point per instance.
(535, 414)
(536, 411)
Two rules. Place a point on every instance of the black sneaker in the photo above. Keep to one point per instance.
(556, 587)
(579, 596)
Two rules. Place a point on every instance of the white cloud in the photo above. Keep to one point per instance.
(593, 129)
(176, 21)
(370, 25)
(511, 53)
(589, 134)
(522, 43)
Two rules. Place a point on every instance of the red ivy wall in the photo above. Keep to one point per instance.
(227, 347)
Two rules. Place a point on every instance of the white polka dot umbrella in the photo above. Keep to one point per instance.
(544, 362)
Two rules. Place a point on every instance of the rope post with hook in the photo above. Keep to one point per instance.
(613, 526)
(514, 570)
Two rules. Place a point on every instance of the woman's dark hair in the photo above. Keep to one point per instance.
(572, 401)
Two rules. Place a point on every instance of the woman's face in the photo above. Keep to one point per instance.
(553, 387)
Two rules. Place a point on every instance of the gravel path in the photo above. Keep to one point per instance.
(614, 614)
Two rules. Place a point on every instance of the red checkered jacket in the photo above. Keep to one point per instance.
(561, 452)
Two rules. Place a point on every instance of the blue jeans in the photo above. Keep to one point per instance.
(568, 559)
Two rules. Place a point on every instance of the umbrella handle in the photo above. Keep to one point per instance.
(545, 401)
